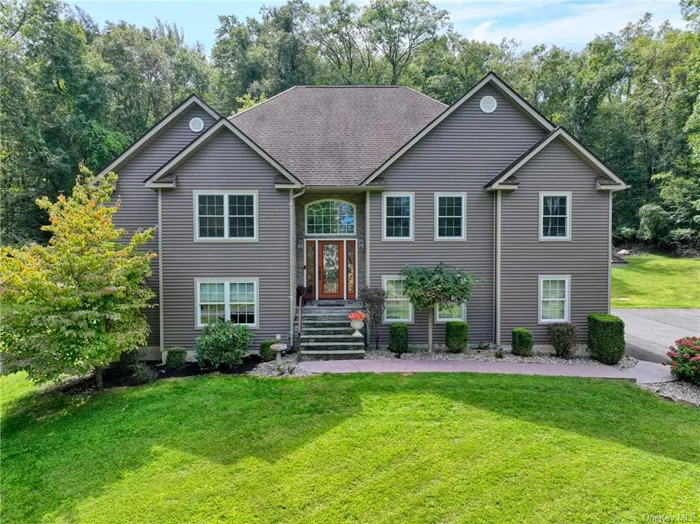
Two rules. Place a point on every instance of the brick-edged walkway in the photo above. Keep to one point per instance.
(643, 372)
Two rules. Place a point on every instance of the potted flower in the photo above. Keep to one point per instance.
(357, 320)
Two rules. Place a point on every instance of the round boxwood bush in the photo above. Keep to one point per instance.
(456, 336)
(265, 352)
(521, 342)
(222, 344)
(606, 337)
(175, 359)
(562, 336)
(398, 338)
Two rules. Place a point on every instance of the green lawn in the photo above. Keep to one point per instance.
(654, 281)
(362, 448)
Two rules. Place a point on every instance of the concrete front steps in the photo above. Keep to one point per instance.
(327, 335)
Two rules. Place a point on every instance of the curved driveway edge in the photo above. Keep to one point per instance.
(649, 332)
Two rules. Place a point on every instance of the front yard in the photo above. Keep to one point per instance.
(362, 448)
(656, 281)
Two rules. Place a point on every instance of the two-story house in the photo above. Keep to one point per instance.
(337, 188)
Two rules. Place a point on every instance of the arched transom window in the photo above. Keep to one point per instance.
(330, 217)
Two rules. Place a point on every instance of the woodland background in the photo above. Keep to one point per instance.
(73, 91)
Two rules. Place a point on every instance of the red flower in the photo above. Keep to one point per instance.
(694, 368)
(356, 315)
(686, 355)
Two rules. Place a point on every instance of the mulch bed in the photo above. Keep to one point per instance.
(120, 376)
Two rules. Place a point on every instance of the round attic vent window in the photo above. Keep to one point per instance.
(196, 124)
(488, 104)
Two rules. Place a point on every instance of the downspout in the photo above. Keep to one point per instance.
(161, 314)
(610, 213)
(498, 267)
(292, 259)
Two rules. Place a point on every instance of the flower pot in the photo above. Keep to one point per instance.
(357, 326)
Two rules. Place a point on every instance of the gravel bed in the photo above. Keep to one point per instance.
(288, 368)
(676, 391)
(490, 356)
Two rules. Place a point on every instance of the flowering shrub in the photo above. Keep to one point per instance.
(356, 315)
(684, 359)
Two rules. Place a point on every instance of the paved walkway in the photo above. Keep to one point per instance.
(642, 373)
(649, 332)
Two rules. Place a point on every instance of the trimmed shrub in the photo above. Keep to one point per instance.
(175, 359)
(606, 337)
(563, 338)
(265, 352)
(128, 359)
(521, 342)
(222, 344)
(456, 336)
(684, 359)
(143, 374)
(398, 338)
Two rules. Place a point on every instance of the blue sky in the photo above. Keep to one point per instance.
(568, 23)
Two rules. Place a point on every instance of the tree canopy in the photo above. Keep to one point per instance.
(74, 91)
(75, 304)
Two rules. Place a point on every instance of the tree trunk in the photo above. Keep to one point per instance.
(431, 318)
(98, 378)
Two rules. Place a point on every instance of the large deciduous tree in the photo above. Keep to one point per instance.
(74, 305)
(399, 27)
(432, 288)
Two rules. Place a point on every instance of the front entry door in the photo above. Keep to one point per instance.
(331, 264)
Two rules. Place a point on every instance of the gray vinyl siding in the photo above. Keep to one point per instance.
(461, 154)
(224, 163)
(139, 205)
(584, 257)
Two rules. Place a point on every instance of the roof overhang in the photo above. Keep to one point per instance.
(220, 125)
(611, 181)
(491, 78)
(156, 129)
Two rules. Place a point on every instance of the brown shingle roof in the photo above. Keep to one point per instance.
(337, 135)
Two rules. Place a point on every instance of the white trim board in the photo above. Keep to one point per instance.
(157, 128)
(489, 78)
(222, 123)
(573, 143)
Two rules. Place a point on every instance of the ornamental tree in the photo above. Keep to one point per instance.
(442, 286)
(72, 306)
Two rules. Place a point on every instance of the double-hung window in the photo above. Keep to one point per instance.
(226, 215)
(555, 216)
(398, 216)
(451, 313)
(232, 300)
(554, 298)
(398, 306)
(450, 216)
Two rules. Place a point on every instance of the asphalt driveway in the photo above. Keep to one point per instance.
(649, 332)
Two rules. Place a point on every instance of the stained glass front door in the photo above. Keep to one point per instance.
(331, 269)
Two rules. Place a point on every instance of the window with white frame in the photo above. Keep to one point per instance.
(554, 298)
(450, 216)
(451, 313)
(398, 306)
(398, 216)
(555, 216)
(233, 300)
(330, 217)
(231, 215)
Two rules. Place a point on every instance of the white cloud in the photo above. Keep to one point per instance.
(582, 23)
